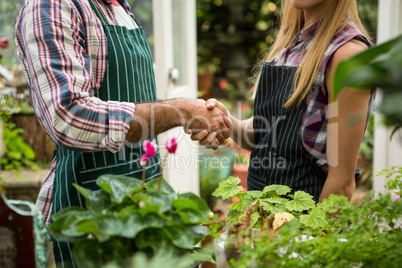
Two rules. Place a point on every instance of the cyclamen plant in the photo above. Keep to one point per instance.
(121, 219)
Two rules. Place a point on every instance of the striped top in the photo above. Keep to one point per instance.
(64, 52)
(313, 128)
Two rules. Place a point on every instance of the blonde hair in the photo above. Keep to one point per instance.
(292, 20)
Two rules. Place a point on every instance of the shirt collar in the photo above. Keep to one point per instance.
(123, 3)
(307, 34)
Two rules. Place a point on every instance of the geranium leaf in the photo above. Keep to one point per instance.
(254, 218)
(302, 201)
(246, 202)
(279, 189)
(255, 194)
(313, 221)
(228, 188)
(273, 208)
(235, 206)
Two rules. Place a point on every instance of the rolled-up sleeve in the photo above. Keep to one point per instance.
(53, 45)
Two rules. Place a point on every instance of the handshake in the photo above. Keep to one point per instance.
(212, 128)
(207, 121)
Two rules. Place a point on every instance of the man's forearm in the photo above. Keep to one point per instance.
(153, 118)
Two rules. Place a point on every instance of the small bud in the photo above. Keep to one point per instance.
(141, 204)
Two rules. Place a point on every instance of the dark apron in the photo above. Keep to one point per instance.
(129, 78)
(279, 157)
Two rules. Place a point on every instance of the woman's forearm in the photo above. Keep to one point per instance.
(243, 133)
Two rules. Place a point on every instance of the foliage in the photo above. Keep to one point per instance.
(18, 154)
(120, 220)
(272, 199)
(380, 66)
(365, 235)
(394, 176)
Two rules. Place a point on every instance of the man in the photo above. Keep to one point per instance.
(90, 75)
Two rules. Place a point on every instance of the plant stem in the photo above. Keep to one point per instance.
(144, 173)
(161, 171)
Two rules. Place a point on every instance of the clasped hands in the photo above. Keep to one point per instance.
(211, 126)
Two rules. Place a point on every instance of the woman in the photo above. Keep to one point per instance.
(299, 135)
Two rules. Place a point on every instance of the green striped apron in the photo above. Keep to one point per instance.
(129, 78)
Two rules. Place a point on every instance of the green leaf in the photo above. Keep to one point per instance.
(151, 238)
(233, 214)
(228, 188)
(276, 200)
(201, 204)
(199, 232)
(181, 204)
(279, 189)
(235, 206)
(118, 186)
(254, 218)
(273, 208)
(181, 237)
(91, 254)
(302, 201)
(313, 221)
(246, 202)
(151, 186)
(66, 212)
(94, 200)
(148, 209)
(255, 194)
(88, 227)
(350, 67)
(132, 225)
(110, 225)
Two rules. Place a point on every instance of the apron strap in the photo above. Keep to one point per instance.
(99, 13)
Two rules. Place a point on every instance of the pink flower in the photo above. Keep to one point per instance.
(395, 197)
(149, 148)
(223, 84)
(144, 160)
(171, 145)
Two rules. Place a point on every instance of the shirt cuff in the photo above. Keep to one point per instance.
(121, 115)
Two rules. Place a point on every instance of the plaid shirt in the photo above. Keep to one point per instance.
(63, 48)
(313, 128)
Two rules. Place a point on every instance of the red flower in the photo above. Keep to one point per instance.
(244, 107)
(223, 84)
(171, 145)
(3, 42)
